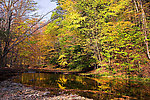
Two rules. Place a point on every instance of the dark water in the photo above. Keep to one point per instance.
(95, 88)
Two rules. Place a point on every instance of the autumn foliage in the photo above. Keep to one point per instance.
(84, 35)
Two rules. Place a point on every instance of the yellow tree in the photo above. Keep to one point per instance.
(12, 11)
(14, 16)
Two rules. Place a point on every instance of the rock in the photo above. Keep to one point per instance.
(46, 93)
(16, 91)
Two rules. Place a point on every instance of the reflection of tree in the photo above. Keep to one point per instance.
(62, 81)
(122, 87)
(76, 82)
(102, 85)
(114, 86)
(79, 79)
(39, 79)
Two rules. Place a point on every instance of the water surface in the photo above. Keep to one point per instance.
(95, 88)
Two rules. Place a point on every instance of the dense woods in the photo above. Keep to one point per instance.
(81, 35)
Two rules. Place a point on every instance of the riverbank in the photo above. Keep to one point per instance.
(10, 90)
(102, 72)
(6, 73)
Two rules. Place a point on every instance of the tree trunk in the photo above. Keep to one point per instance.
(144, 24)
(0, 54)
(7, 41)
(144, 28)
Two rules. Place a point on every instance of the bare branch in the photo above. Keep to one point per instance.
(32, 26)
(14, 44)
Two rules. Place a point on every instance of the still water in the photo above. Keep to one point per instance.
(95, 88)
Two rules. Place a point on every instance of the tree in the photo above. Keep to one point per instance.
(108, 30)
(12, 11)
(14, 14)
(140, 9)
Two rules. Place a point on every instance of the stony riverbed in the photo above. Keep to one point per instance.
(15, 91)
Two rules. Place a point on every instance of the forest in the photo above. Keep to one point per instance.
(109, 36)
(81, 50)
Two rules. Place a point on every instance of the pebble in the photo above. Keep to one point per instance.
(16, 91)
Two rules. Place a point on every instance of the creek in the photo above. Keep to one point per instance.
(96, 88)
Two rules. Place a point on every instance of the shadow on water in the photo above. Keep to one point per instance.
(96, 88)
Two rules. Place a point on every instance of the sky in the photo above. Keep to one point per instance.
(45, 6)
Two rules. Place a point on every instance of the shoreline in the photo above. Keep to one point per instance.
(10, 90)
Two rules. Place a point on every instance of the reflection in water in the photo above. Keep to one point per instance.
(98, 88)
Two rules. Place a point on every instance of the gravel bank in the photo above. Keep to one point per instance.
(16, 91)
